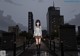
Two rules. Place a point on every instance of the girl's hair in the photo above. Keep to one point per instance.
(38, 21)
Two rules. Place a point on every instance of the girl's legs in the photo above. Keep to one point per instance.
(39, 40)
(36, 41)
(39, 43)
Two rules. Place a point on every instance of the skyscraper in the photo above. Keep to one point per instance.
(68, 36)
(54, 20)
(78, 36)
(30, 22)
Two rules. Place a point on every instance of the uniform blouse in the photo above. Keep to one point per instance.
(37, 31)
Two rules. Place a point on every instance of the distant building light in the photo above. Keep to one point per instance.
(4, 41)
(55, 30)
(54, 25)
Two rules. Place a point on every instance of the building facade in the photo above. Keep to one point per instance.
(19, 39)
(30, 23)
(54, 20)
(7, 41)
(68, 36)
(78, 36)
(14, 29)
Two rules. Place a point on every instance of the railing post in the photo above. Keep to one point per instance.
(28, 42)
(24, 46)
(14, 44)
(50, 43)
(14, 51)
(54, 45)
(62, 50)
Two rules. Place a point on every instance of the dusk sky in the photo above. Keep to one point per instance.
(19, 9)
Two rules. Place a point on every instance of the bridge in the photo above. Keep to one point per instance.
(32, 51)
(47, 48)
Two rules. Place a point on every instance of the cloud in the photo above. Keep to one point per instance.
(40, 0)
(73, 11)
(10, 1)
(0, 0)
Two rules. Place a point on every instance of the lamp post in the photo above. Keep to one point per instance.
(54, 45)
(50, 43)
(14, 44)
(24, 46)
(62, 50)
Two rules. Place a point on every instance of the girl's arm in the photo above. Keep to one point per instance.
(41, 30)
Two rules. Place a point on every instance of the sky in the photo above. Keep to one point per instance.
(19, 9)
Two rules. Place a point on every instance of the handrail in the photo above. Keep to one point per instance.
(50, 51)
(21, 51)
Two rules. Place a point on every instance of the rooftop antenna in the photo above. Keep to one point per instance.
(53, 3)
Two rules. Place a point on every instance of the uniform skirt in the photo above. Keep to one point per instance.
(38, 37)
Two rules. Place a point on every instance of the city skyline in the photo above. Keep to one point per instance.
(39, 28)
(19, 9)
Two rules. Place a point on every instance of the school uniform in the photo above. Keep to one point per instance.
(37, 32)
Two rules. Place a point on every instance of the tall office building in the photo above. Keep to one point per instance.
(14, 29)
(78, 36)
(68, 36)
(54, 20)
(30, 23)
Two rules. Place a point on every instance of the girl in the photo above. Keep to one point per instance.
(38, 33)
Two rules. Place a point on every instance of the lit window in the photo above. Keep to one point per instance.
(52, 22)
(55, 30)
(55, 25)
